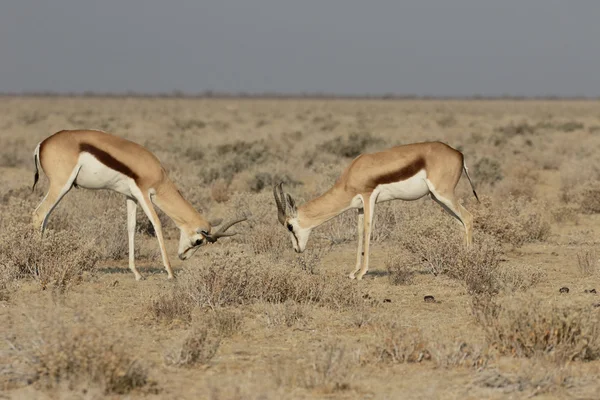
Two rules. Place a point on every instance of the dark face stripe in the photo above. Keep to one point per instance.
(401, 174)
(108, 160)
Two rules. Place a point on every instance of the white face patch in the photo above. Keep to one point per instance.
(189, 243)
(299, 236)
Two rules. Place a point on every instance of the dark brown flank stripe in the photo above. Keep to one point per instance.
(108, 160)
(401, 174)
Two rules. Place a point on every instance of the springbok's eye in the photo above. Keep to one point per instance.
(290, 227)
(198, 242)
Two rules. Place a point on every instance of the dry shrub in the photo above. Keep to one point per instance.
(58, 260)
(487, 171)
(341, 229)
(589, 200)
(564, 214)
(520, 181)
(329, 369)
(514, 221)
(447, 121)
(400, 345)
(519, 277)
(226, 322)
(268, 239)
(287, 314)
(441, 250)
(226, 278)
(198, 347)
(352, 145)
(310, 260)
(587, 261)
(399, 270)
(533, 377)
(219, 191)
(561, 126)
(526, 328)
(75, 350)
(171, 306)
(232, 158)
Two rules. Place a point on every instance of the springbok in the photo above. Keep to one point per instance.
(98, 160)
(406, 172)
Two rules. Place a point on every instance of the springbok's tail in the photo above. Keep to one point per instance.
(36, 163)
(469, 178)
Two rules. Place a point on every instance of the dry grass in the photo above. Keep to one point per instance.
(72, 349)
(564, 333)
(249, 318)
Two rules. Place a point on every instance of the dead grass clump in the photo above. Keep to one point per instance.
(269, 239)
(310, 260)
(226, 279)
(514, 221)
(527, 329)
(478, 266)
(515, 129)
(352, 145)
(561, 126)
(287, 314)
(400, 345)
(59, 260)
(329, 369)
(589, 200)
(447, 121)
(198, 347)
(533, 377)
(219, 191)
(232, 158)
(226, 322)
(587, 261)
(399, 271)
(78, 352)
(487, 171)
(171, 306)
(520, 277)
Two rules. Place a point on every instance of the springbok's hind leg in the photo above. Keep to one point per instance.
(361, 235)
(58, 188)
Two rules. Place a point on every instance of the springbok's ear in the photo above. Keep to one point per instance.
(290, 201)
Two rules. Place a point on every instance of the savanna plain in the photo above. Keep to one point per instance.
(247, 318)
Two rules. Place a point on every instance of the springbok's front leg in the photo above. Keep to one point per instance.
(369, 207)
(131, 214)
(361, 235)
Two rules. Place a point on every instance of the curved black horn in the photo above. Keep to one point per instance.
(280, 200)
(222, 231)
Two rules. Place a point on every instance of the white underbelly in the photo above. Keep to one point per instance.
(412, 188)
(95, 175)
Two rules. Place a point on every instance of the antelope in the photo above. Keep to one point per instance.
(94, 159)
(406, 172)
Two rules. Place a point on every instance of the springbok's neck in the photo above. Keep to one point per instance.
(325, 207)
(171, 202)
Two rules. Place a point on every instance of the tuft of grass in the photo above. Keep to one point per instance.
(399, 271)
(350, 146)
(59, 260)
(587, 261)
(535, 328)
(487, 171)
(76, 351)
(198, 347)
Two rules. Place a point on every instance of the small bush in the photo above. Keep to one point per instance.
(589, 202)
(80, 353)
(399, 271)
(59, 260)
(329, 369)
(350, 146)
(487, 171)
(198, 347)
(587, 261)
(171, 306)
(535, 328)
(514, 221)
(232, 279)
(400, 345)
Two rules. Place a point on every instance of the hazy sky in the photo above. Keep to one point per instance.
(424, 47)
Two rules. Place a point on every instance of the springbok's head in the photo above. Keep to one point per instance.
(287, 213)
(191, 239)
